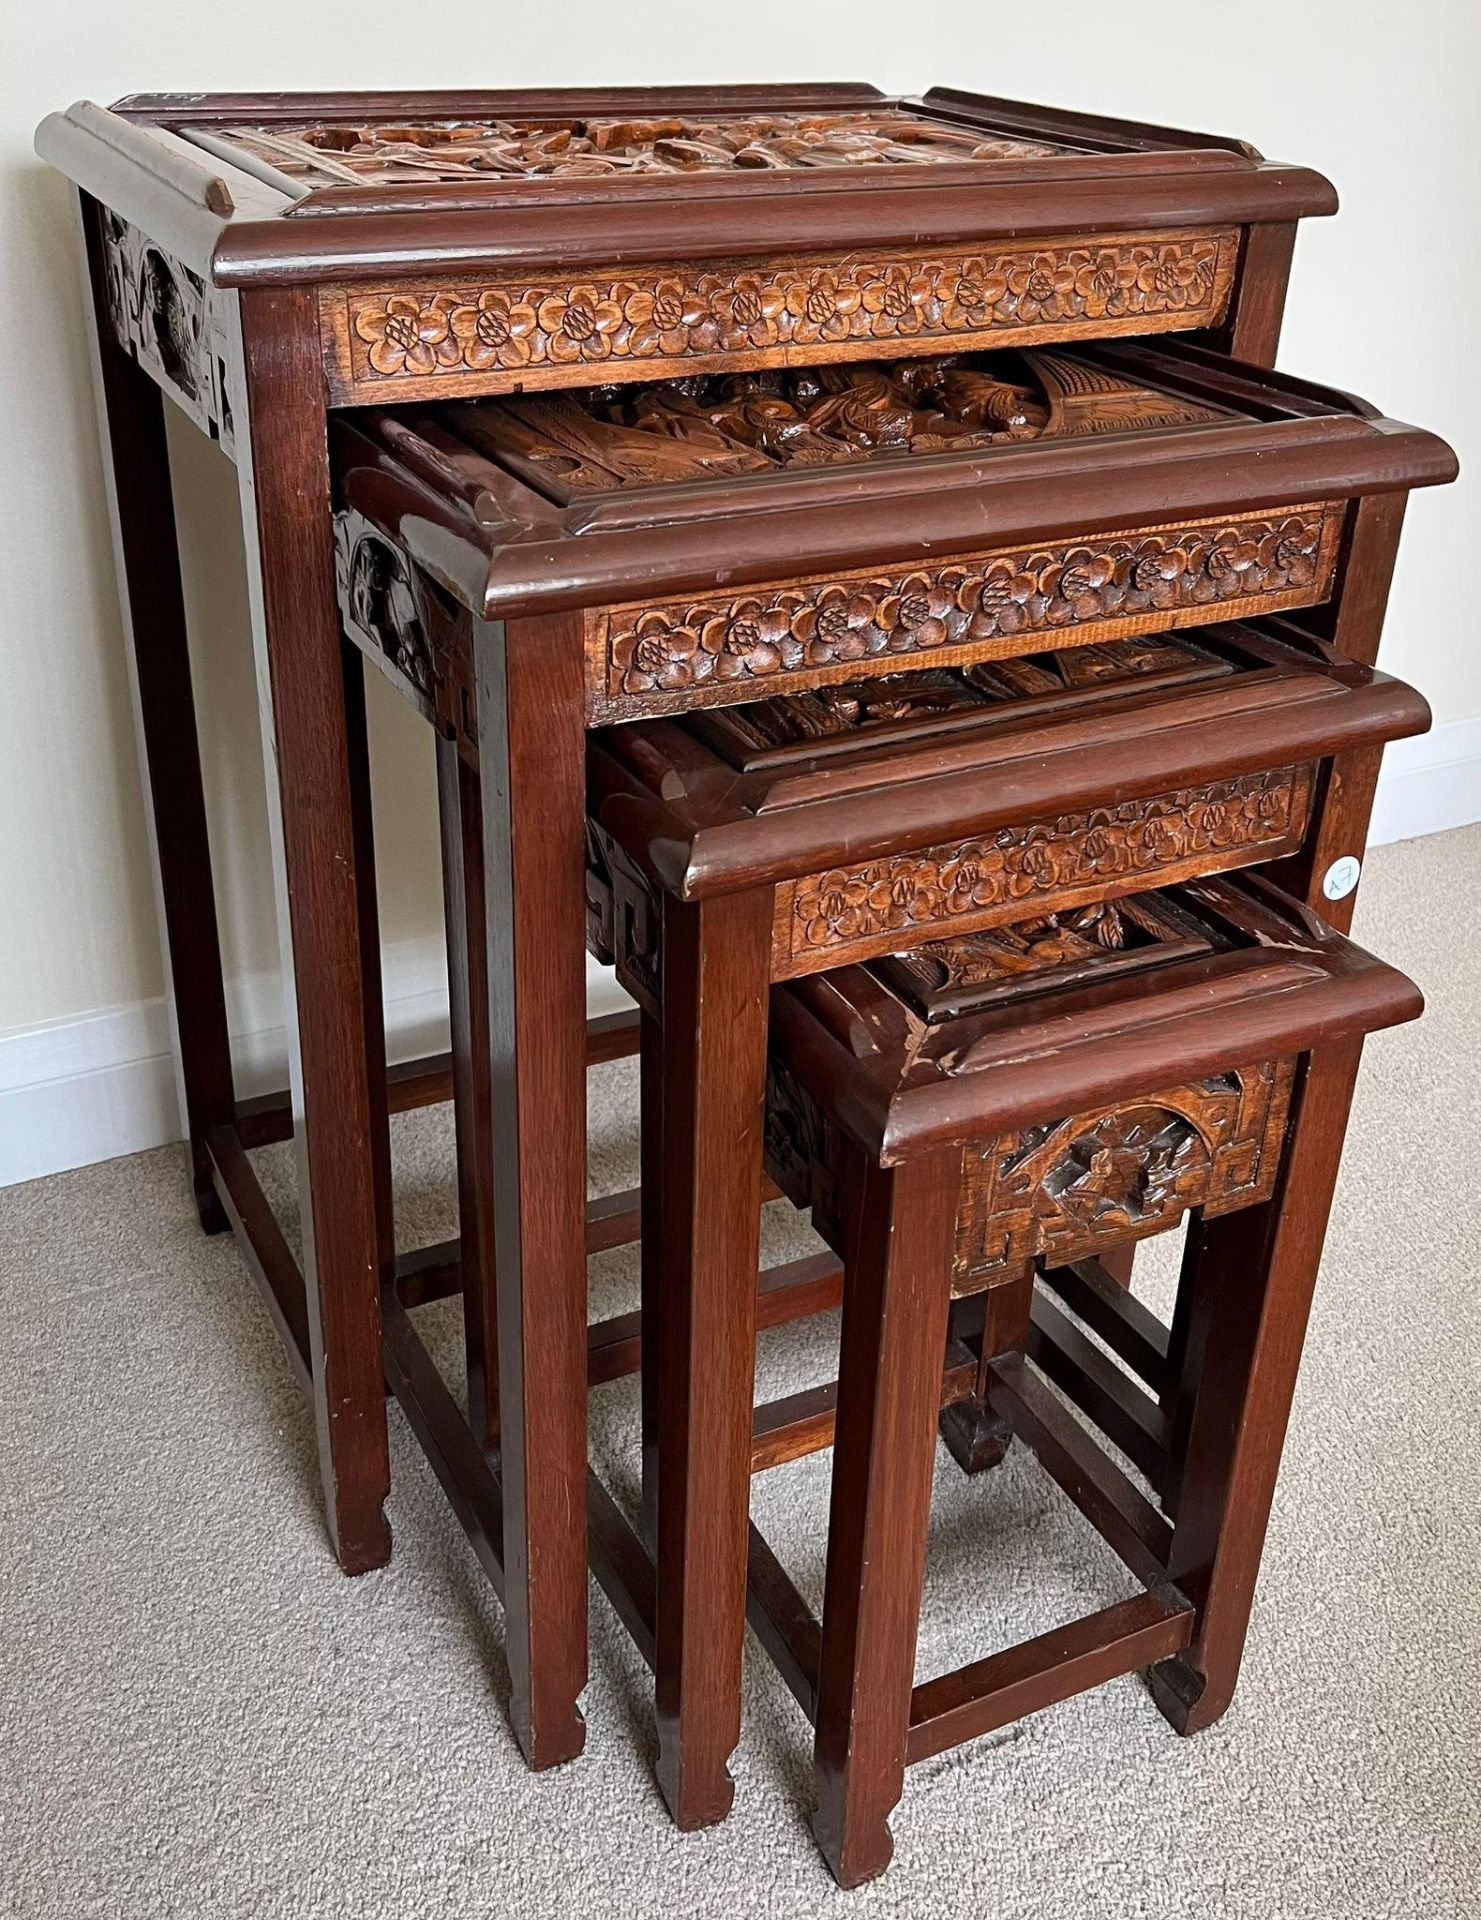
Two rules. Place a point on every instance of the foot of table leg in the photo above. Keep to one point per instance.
(975, 1436)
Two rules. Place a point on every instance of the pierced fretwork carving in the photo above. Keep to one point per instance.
(171, 321)
(628, 324)
(624, 918)
(850, 912)
(1100, 587)
(388, 611)
(803, 1149)
(1063, 1191)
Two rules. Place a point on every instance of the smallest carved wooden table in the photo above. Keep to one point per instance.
(1029, 1093)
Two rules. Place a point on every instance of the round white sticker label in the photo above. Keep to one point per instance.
(1341, 877)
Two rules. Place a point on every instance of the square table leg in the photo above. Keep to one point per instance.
(333, 1019)
(899, 1236)
(532, 777)
(1252, 1275)
(141, 507)
(703, 1118)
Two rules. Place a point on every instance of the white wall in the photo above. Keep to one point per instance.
(1384, 297)
(1376, 97)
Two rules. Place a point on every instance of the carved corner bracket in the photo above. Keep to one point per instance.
(172, 322)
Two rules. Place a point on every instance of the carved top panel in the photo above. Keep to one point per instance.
(1047, 952)
(605, 439)
(382, 152)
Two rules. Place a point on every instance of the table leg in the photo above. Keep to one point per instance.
(141, 505)
(1252, 1285)
(899, 1239)
(460, 812)
(283, 465)
(532, 767)
(701, 1280)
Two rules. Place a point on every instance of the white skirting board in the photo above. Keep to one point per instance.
(103, 1084)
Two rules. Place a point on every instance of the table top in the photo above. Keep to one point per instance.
(370, 149)
(346, 186)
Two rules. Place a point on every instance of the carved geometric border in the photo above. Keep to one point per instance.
(490, 336)
(855, 913)
(649, 658)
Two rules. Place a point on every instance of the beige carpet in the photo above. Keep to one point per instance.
(199, 1716)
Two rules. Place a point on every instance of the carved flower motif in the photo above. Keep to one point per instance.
(667, 318)
(1043, 289)
(750, 638)
(1080, 582)
(897, 301)
(1105, 850)
(580, 323)
(973, 880)
(1103, 280)
(1040, 864)
(659, 653)
(914, 614)
(839, 910)
(841, 624)
(747, 312)
(1215, 821)
(1157, 573)
(404, 336)
(1293, 550)
(495, 332)
(1173, 277)
(903, 894)
(1005, 601)
(969, 294)
(822, 307)
(1235, 563)
(1163, 837)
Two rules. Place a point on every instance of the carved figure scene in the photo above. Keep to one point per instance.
(896, 700)
(1048, 951)
(697, 427)
(1060, 1192)
(370, 153)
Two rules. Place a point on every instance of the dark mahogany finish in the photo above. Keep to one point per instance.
(885, 1121)
(838, 826)
(264, 291)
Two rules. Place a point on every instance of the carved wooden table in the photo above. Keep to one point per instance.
(860, 743)
(266, 261)
(1193, 1048)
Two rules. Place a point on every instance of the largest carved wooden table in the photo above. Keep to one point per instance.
(266, 261)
